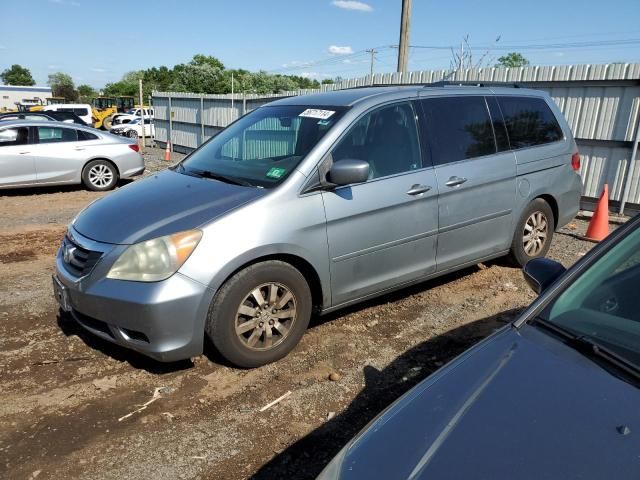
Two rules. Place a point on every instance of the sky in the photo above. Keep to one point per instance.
(98, 41)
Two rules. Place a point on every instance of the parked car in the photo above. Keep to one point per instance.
(67, 117)
(313, 203)
(553, 395)
(133, 129)
(83, 110)
(132, 114)
(54, 153)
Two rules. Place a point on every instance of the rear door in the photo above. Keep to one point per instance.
(382, 233)
(58, 154)
(476, 176)
(16, 162)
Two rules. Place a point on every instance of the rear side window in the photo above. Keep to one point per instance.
(458, 128)
(529, 121)
(56, 135)
(14, 136)
(82, 135)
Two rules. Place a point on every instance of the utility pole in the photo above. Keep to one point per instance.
(142, 117)
(403, 49)
(233, 112)
(373, 52)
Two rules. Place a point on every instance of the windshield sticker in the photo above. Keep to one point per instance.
(324, 123)
(316, 113)
(276, 172)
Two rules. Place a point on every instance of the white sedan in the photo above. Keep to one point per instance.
(55, 153)
(133, 129)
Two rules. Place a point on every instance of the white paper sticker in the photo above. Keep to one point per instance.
(316, 113)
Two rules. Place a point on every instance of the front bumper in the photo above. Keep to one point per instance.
(162, 320)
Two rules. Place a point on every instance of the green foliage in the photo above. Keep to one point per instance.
(17, 75)
(62, 86)
(86, 92)
(512, 60)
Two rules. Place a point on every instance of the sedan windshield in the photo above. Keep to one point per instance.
(265, 146)
(603, 305)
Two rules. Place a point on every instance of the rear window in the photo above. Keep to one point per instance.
(14, 136)
(55, 135)
(458, 128)
(529, 121)
(78, 111)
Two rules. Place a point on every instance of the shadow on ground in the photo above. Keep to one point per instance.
(308, 456)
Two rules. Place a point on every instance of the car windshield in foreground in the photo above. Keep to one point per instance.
(600, 310)
(263, 148)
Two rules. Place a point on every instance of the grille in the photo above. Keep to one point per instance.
(77, 260)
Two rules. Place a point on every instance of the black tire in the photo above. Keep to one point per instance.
(224, 314)
(107, 123)
(132, 134)
(99, 175)
(520, 253)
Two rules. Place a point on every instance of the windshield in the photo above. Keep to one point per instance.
(265, 146)
(603, 304)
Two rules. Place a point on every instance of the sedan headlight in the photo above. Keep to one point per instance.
(156, 259)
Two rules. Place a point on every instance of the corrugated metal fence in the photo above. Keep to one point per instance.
(601, 104)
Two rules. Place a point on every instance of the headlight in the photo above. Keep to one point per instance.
(156, 259)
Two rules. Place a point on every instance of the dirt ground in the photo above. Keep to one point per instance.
(65, 395)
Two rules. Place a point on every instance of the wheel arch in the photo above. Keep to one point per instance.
(103, 159)
(552, 202)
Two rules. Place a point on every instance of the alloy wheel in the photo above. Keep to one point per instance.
(266, 316)
(535, 233)
(100, 176)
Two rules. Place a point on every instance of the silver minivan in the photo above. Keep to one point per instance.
(312, 203)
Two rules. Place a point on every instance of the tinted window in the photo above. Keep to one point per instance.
(14, 136)
(387, 138)
(458, 128)
(529, 121)
(499, 128)
(56, 135)
(82, 135)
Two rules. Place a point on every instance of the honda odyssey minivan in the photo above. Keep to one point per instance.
(312, 203)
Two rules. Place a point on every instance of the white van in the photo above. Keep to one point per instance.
(83, 110)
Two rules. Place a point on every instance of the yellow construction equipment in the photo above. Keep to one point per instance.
(104, 108)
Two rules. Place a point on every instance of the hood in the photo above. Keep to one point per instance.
(160, 204)
(520, 405)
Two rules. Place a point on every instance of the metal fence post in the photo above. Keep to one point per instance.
(201, 119)
(632, 162)
(170, 139)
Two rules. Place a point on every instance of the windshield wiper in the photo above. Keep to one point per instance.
(591, 348)
(220, 177)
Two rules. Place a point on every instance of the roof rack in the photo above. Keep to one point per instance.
(441, 83)
(453, 83)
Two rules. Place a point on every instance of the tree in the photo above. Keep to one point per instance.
(62, 86)
(86, 92)
(512, 60)
(17, 75)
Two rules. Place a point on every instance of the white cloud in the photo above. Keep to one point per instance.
(53, 67)
(352, 5)
(98, 70)
(315, 75)
(294, 63)
(336, 50)
(558, 54)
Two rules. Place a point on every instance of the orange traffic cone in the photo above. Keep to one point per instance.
(599, 224)
(167, 153)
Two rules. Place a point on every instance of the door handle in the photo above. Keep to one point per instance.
(77, 149)
(417, 189)
(23, 153)
(455, 181)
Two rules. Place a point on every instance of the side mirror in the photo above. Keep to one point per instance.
(540, 273)
(347, 171)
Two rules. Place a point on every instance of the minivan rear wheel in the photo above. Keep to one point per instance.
(533, 234)
(260, 314)
(99, 175)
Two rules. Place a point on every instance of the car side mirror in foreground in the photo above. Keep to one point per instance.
(540, 273)
(347, 171)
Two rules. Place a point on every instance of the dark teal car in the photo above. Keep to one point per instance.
(554, 395)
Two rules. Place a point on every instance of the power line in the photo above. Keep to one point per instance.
(589, 44)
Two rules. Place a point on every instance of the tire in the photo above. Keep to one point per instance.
(234, 306)
(99, 175)
(107, 123)
(538, 219)
(132, 134)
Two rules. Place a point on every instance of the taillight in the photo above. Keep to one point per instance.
(136, 148)
(575, 161)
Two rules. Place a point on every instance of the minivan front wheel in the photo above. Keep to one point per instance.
(534, 232)
(260, 314)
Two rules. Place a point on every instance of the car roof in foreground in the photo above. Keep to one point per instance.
(51, 123)
(352, 96)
